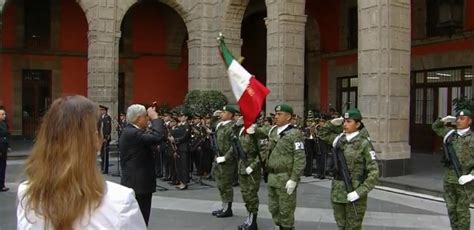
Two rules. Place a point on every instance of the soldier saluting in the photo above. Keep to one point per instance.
(352, 145)
(459, 144)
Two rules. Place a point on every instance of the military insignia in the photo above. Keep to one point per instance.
(299, 146)
(373, 155)
(346, 115)
(461, 113)
(278, 108)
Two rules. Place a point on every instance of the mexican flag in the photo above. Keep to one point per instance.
(248, 91)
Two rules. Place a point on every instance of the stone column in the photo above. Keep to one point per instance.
(384, 80)
(285, 53)
(104, 35)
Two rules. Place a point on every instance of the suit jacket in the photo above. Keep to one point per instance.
(4, 136)
(136, 156)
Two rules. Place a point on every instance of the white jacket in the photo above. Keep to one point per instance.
(118, 210)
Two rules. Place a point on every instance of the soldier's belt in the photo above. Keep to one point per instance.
(277, 171)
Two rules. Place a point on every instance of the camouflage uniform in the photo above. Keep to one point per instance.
(224, 172)
(456, 196)
(285, 162)
(363, 170)
(249, 184)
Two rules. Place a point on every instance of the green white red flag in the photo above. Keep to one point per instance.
(248, 91)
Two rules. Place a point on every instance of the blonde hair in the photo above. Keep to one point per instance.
(63, 182)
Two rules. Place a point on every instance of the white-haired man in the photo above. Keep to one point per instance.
(136, 154)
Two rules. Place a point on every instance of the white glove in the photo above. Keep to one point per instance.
(465, 179)
(251, 129)
(352, 196)
(337, 121)
(220, 160)
(448, 119)
(216, 113)
(290, 186)
(240, 121)
(248, 170)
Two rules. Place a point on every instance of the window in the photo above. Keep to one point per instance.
(37, 18)
(434, 90)
(444, 17)
(352, 31)
(347, 93)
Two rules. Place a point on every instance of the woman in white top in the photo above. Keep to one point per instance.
(64, 188)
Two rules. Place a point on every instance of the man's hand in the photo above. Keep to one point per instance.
(352, 196)
(465, 179)
(220, 160)
(152, 114)
(448, 119)
(249, 170)
(290, 186)
(337, 121)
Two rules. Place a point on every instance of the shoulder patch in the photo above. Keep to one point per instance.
(373, 155)
(299, 145)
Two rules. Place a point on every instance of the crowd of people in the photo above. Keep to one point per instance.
(62, 173)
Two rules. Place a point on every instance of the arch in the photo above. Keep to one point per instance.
(232, 19)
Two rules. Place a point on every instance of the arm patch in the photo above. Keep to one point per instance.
(299, 145)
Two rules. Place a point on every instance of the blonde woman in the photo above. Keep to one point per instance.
(64, 188)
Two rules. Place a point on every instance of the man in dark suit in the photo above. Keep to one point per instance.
(136, 153)
(105, 126)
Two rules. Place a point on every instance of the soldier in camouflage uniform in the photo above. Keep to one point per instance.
(362, 167)
(458, 191)
(285, 164)
(226, 161)
(249, 169)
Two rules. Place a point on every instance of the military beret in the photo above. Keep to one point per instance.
(464, 112)
(103, 107)
(230, 108)
(353, 114)
(284, 108)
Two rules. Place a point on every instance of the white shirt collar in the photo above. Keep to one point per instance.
(462, 132)
(136, 126)
(281, 128)
(222, 123)
(350, 136)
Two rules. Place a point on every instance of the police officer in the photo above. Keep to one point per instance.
(105, 126)
(285, 164)
(349, 207)
(226, 161)
(458, 191)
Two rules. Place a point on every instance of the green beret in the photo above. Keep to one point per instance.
(230, 108)
(353, 114)
(284, 108)
(464, 112)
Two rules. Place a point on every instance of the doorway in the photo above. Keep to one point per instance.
(36, 98)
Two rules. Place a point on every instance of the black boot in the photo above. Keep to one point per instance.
(244, 224)
(252, 224)
(227, 212)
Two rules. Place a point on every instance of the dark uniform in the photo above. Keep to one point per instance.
(182, 135)
(4, 145)
(198, 140)
(105, 126)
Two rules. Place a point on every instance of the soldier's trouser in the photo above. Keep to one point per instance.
(224, 174)
(345, 216)
(457, 198)
(282, 206)
(249, 186)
